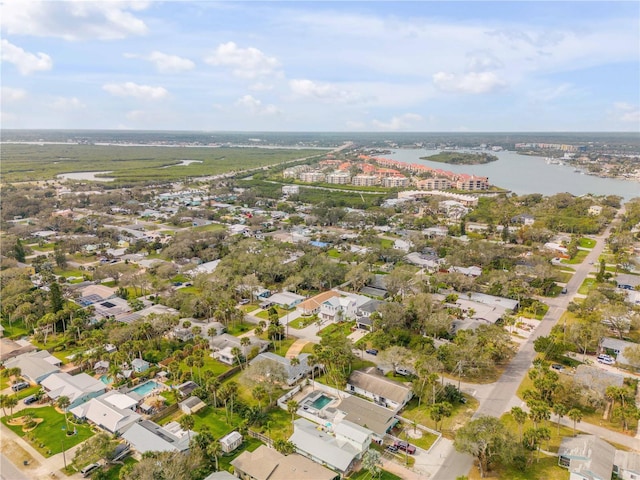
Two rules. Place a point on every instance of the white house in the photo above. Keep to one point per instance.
(222, 347)
(587, 457)
(147, 436)
(294, 372)
(285, 299)
(382, 390)
(139, 365)
(35, 366)
(77, 388)
(112, 411)
(230, 442)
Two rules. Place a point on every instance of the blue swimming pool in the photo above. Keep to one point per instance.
(145, 388)
(320, 402)
(106, 379)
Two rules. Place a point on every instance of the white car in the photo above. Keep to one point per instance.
(606, 359)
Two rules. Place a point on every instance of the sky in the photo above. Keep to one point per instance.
(321, 66)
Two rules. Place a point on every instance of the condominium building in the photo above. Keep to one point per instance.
(365, 180)
(339, 178)
(392, 182)
(312, 177)
(434, 184)
(471, 182)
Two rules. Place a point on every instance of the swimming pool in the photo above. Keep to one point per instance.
(320, 402)
(106, 379)
(145, 388)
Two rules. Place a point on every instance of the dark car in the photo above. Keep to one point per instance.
(404, 446)
(392, 449)
(558, 367)
(371, 351)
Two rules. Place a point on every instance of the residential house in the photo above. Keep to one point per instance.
(294, 372)
(338, 450)
(35, 366)
(112, 411)
(230, 442)
(268, 464)
(382, 390)
(147, 436)
(221, 475)
(342, 308)
(223, 345)
(77, 388)
(472, 271)
(617, 347)
(379, 420)
(597, 379)
(626, 465)
(587, 457)
(191, 405)
(13, 348)
(311, 306)
(286, 300)
(182, 334)
(524, 219)
(139, 365)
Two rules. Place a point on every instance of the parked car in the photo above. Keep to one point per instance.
(606, 359)
(371, 351)
(30, 399)
(16, 387)
(244, 301)
(557, 366)
(89, 469)
(392, 449)
(405, 447)
(403, 371)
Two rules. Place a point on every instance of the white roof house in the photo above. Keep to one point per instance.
(286, 299)
(223, 344)
(294, 372)
(147, 436)
(382, 390)
(77, 388)
(35, 366)
(587, 457)
(109, 412)
(336, 452)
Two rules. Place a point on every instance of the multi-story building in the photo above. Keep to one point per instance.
(365, 180)
(339, 178)
(434, 184)
(290, 189)
(392, 182)
(312, 177)
(471, 182)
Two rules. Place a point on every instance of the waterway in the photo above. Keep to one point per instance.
(86, 176)
(524, 174)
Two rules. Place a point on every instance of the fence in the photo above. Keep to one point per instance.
(165, 412)
(260, 436)
(282, 401)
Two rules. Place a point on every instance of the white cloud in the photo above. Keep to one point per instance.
(130, 89)
(472, 82)
(74, 19)
(256, 106)
(9, 94)
(245, 62)
(260, 87)
(304, 88)
(401, 122)
(165, 63)
(25, 62)
(482, 61)
(625, 112)
(551, 93)
(67, 103)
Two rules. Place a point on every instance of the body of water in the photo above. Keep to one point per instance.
(86, 176)
(145, 388)
(524, 174)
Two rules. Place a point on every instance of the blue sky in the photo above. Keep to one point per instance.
(321, 66)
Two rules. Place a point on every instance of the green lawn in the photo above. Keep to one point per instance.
(562, 276)
(425, 442)
(461, 414)
(114, 472)
(386, 243)
(48, 437)
(214, 418)
(365, 475)
(249, 307)
(580, 256)
(303, 322)
(210, 364)
(333, 253)
(587, 285)
(342, 329)
(546, 469)
(587, 242)
(239, 327)
(213, 227)
(17, 329)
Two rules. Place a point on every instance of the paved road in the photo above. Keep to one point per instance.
(502, 396)
(8, 471)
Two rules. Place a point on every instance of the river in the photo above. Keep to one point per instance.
(525, 174)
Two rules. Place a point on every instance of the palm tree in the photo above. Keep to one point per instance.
(311, 362)
(245, 342)
(11, 402)
(259, 393)
(520, 416)
(214, 450)
(3, 403)
(213, 385)
(186, 423)
(64, 402)
(237, 353)
(292, 408)
(575, 415)
(560, 410)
